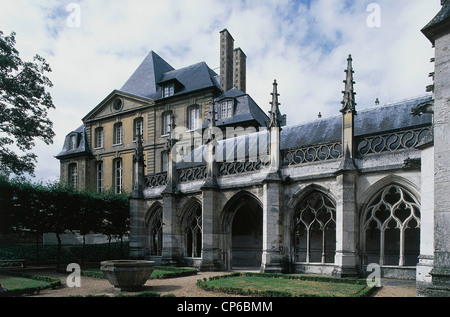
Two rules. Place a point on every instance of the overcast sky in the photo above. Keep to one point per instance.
(303, 44)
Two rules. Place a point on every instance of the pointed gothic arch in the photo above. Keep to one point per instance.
(154, 225)
(390, 224)
(312, 223)
(242, 227)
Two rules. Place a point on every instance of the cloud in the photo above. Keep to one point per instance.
(302, 44)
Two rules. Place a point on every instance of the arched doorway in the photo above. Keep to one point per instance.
(245, 232)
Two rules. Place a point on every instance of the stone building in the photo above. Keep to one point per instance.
(330, 196)
(244, 189)
(99, 154)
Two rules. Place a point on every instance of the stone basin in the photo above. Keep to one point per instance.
(127, 275)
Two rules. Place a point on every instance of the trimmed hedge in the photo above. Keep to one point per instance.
(172, 272)
(275, 293)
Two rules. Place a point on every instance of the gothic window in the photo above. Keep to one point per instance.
(315, 229)
(391, 228)
(193, 232)
(118, 176)
(155, 231)
(73, 175)
(118, 133)
(99, 137)
(99, 172)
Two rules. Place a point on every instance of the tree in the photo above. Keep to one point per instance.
(24, 102)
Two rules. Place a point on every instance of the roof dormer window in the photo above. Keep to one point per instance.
(226, 109)
(168, 90)
(73, 142)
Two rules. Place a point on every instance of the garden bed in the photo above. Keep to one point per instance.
(18, 284)
(280, 285)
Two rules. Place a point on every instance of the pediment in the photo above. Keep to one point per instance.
(116, 103)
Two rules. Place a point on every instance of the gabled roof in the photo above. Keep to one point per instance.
(82, 146)
(144, 80)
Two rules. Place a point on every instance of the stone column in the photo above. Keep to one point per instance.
(441, 270)
(437, 31)
(425, 264)
(211, 252)
(271, 256)
(346, 258)
(172, 240)
(138, 234)
(138, 230)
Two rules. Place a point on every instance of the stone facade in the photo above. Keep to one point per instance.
(330, 196)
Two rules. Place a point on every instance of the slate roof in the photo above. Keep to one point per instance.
(82, 147)
(245, 112)
(153, 71)
(381, 119)
(438, 22)
(144, 80)
(192, 78)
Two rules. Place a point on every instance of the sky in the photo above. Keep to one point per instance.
(94, 46)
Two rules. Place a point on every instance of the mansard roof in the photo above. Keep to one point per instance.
(81, 148)
(371, 121)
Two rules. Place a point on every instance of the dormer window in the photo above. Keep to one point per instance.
(226, 109)
(168, 90)
(73, 142)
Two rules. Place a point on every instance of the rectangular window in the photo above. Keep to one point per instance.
(164, 162)
(166, 123)
(118, 133)
(138, 128)
(99, 136)
(226, 109)
(99, 177)
(73, 142)
(168, 90)
(73, 175)
(194, 118)
(118, 176)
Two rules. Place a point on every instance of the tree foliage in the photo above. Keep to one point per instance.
(24, 105)
(59, 208)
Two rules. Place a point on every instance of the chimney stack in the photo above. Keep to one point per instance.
(233, 64)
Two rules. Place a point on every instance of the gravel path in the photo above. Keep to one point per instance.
(186, 287)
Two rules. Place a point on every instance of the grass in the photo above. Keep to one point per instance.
(14, 283)
(285, 286)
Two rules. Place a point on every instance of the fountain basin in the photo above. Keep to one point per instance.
(127, 275)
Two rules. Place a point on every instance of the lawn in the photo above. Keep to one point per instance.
(263, 285)
(15, 283)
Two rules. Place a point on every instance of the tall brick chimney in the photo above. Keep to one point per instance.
(233, 64)
(226, 60)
